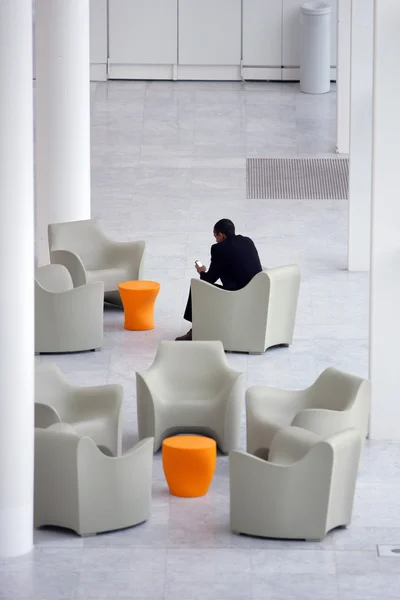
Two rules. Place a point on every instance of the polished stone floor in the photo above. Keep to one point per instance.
(168, 161)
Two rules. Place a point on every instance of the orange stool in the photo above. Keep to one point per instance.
(189, 464)
(138, 298)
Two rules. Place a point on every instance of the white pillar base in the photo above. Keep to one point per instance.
(16, 531)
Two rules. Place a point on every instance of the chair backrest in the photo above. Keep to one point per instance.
(284, 285)
(337, 390)
(53, 278)
(51, 387)
(193, 368)
(249, 308)
(290, 444)
(84, 238)
(258, 287)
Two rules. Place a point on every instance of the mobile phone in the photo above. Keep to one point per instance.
(198, 263)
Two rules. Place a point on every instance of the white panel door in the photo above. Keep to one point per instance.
(143, 32)
(98, 31)
(262, 33)
(210, 32)
(291, 32)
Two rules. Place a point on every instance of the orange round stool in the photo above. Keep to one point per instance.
(189, 463)
(138, 298)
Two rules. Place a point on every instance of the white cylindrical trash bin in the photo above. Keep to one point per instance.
(315, 57)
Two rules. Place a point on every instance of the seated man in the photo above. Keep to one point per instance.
(234, 260)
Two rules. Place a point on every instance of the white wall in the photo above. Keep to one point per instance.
(143, 38)
(98, 39)
(343, 76)
(362, 34)
(207, 39)
(385, 246)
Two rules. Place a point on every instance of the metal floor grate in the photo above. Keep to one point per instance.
(297, 178)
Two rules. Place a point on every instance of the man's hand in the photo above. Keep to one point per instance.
(201, 269)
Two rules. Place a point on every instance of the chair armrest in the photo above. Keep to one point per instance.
(232, 376)
(276, 403)
(72, 262)
(284, 501)
(141, 451)
(129, 254)
(282, 307)
(233, 398)
(45, 415)
(130, 473)
(78, 316)
(145, 409)
(323, 422)
(248, 472)
(141, 455)
(115, 492)
(90, 292)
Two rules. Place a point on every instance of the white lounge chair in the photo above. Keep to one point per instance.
(67, 318)
(252, 319)
(90, 255)
(93, 411)
(335, 401)
(305, 489)
(80, 488)
(190, 388)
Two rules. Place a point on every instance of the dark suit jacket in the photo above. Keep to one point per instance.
(234, 261)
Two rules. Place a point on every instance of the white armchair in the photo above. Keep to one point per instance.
(190, 388)
(252, 319)
(90, 255)
(305, 489)
(93, 411)
(80, 488)
(335, 401)
(67, 319)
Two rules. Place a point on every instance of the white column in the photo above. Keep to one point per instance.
(362, 38)
(343, 77)
(16, 276)
(385, 245)
(98, 39)
(62, 115)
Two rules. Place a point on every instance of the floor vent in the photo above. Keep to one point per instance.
(386, 551)
(297, 178)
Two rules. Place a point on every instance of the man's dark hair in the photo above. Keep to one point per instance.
(226, 227)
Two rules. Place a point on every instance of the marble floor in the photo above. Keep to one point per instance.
(168, 161)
